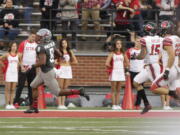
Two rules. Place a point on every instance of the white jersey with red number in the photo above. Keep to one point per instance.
(135, 64)
(28, 50)
(153, 46)
(175, 42)
(11, 74)
(118, 68)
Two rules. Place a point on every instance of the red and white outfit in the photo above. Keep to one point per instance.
(174, 73)
(152, 68)
(28, 50)
(135, 64)
(11, 72)
(64, 72)
(117, 73)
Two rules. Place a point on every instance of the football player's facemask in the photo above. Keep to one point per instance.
(150, 28)
(166, 27)
(43, 36)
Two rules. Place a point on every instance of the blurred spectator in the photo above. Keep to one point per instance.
(10, 69)
(104, 14)
(69, 17)
(109, 42)
(27, 6)
(9, 22)
(48, 15)
(137, 19)
(122, 20)
(27, 54)
(148, 10)
(167, 8)
(91, 8)
(178, 18)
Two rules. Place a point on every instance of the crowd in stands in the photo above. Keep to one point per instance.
(124, 16)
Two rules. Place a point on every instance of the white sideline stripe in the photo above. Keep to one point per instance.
(47, 110)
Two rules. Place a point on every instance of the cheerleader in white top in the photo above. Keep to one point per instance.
(9, 62)
(116, 61)
(64, 70)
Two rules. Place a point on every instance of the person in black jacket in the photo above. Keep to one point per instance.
(48, 15)
(9, 21)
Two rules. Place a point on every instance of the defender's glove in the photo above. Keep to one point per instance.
(166, 74)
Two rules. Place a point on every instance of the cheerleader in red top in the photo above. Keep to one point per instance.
(10, 68)
(116, 61)
(64, 71)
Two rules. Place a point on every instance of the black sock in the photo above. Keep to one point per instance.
(173, 94)
(138, 99)
(143, 96)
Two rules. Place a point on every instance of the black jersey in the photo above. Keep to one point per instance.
(48, 49)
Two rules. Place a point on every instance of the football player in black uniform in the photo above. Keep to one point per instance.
(46, 52)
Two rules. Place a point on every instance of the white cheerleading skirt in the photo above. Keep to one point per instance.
(11, 76)
(117, 75)
(64, 72)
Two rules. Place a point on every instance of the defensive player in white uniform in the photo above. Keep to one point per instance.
(171, 62)
(151, 47)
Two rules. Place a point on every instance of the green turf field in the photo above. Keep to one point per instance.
(89, 126)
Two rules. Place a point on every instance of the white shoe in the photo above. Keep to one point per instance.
(167, 108)
(71, 105)
(12, 107)
(62, 107)
(114, 107)
(8, 107)
(118, 107)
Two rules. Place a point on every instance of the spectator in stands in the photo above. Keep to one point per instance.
(109, 41)
(64, 70)
(178, 18)
(122, 20)
(69, 18)
(27, 54)
(9, 22)
(48, 10)
(148, 10)
(166, 8)
(117, 62)
(10, 69)
(27, 6)
(137, 19)
(91, 8)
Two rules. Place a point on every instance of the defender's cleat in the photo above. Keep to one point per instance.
(146, 109)
(82, 93)
(32, 110)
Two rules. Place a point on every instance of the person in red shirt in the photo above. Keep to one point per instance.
(137, 17)
(124, 12)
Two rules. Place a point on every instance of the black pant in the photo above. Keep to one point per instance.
(22, 77)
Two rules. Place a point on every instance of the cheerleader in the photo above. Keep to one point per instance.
(116, 63)
(63, 69)
(9, 62)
